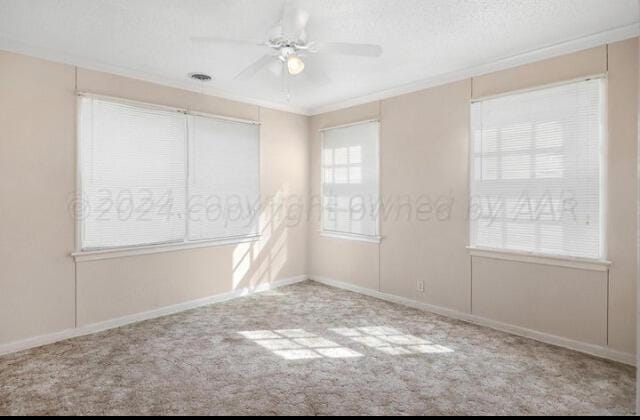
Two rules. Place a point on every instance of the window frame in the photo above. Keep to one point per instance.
(82, 255)
(594, 264)
(326, 233)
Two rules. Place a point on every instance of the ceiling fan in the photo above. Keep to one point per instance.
(291, 52)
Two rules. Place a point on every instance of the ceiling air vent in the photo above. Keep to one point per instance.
(201, 77)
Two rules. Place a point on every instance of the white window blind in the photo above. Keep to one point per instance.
(537, 171)
(133, 175)
(224, 178)
(151, 176)
(350, 180)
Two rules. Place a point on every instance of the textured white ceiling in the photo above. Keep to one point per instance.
(422, 39)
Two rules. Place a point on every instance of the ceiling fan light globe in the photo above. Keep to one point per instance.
(295, 65)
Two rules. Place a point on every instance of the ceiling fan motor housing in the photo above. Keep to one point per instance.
(286, 52)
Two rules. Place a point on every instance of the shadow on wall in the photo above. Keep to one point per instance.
(261, 262)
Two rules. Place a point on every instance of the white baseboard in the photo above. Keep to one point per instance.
(44, 340)
(594, 350)
(591, 349)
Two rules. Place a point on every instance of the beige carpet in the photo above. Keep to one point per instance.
(309, 350)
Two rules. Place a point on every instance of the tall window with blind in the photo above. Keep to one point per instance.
(350, 181)
(224, 179)
(537, 171)
(151, 176)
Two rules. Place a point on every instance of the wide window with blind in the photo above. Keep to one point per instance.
(151, 176)
(537, 171)
(350, 181)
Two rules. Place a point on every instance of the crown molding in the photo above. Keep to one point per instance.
(550, 51)
(19, 47)
(532, 56)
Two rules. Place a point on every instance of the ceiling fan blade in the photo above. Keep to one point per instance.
(275, 32)
(304, 37)
(294, 22)
(253, 69)
(286, 88)
(217, 40)
(276, 68)
(342, 48)
(315, 73)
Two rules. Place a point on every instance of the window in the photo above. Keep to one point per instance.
(151, 176)
(224, 179)
(537, 171)
(350, 180)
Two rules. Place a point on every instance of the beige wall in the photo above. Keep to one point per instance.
(638, 242)
(424, 151)
(561, 301)
(37, 178)
(623, 145)
(585, 63)
(37, 183)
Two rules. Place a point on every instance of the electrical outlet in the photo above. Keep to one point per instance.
(420, 286)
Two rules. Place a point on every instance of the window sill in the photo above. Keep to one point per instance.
(108, 254)
(541, 259)
(352, 237)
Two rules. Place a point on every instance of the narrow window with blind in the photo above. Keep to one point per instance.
(537, 171)
(151, 176)
(224, 179)
(350, 181)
